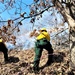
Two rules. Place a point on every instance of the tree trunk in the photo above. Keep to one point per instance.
(71, 22)
(72, 47)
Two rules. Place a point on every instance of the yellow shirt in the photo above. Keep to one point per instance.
(1, 40)
(43, 35)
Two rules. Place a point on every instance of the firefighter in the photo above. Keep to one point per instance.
(4, 49)
(42, 42)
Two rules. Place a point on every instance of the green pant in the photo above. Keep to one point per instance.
(39, 46)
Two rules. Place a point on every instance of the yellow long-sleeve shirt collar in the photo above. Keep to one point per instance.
(43, 35)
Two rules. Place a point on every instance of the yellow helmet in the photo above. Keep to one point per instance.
(43, 29)
(1, 40)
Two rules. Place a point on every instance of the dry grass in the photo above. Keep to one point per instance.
(20, 63)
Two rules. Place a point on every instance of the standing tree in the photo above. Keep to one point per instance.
(67, 9)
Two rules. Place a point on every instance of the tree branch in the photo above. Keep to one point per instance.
(30, 15)
(59, 32)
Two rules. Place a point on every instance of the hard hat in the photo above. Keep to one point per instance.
(1, 40)
(43, 29)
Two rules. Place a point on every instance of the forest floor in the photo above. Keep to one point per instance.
(20, 63)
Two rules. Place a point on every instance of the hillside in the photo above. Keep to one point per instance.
(20, 63)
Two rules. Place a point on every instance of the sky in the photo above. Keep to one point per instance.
(6, 14)
(46, 21)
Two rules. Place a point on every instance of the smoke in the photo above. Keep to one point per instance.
(9, 45)
(24, 41)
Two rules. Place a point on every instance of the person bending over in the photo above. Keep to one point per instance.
(42, 42)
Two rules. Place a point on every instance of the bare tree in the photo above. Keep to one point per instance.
(67, 9)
